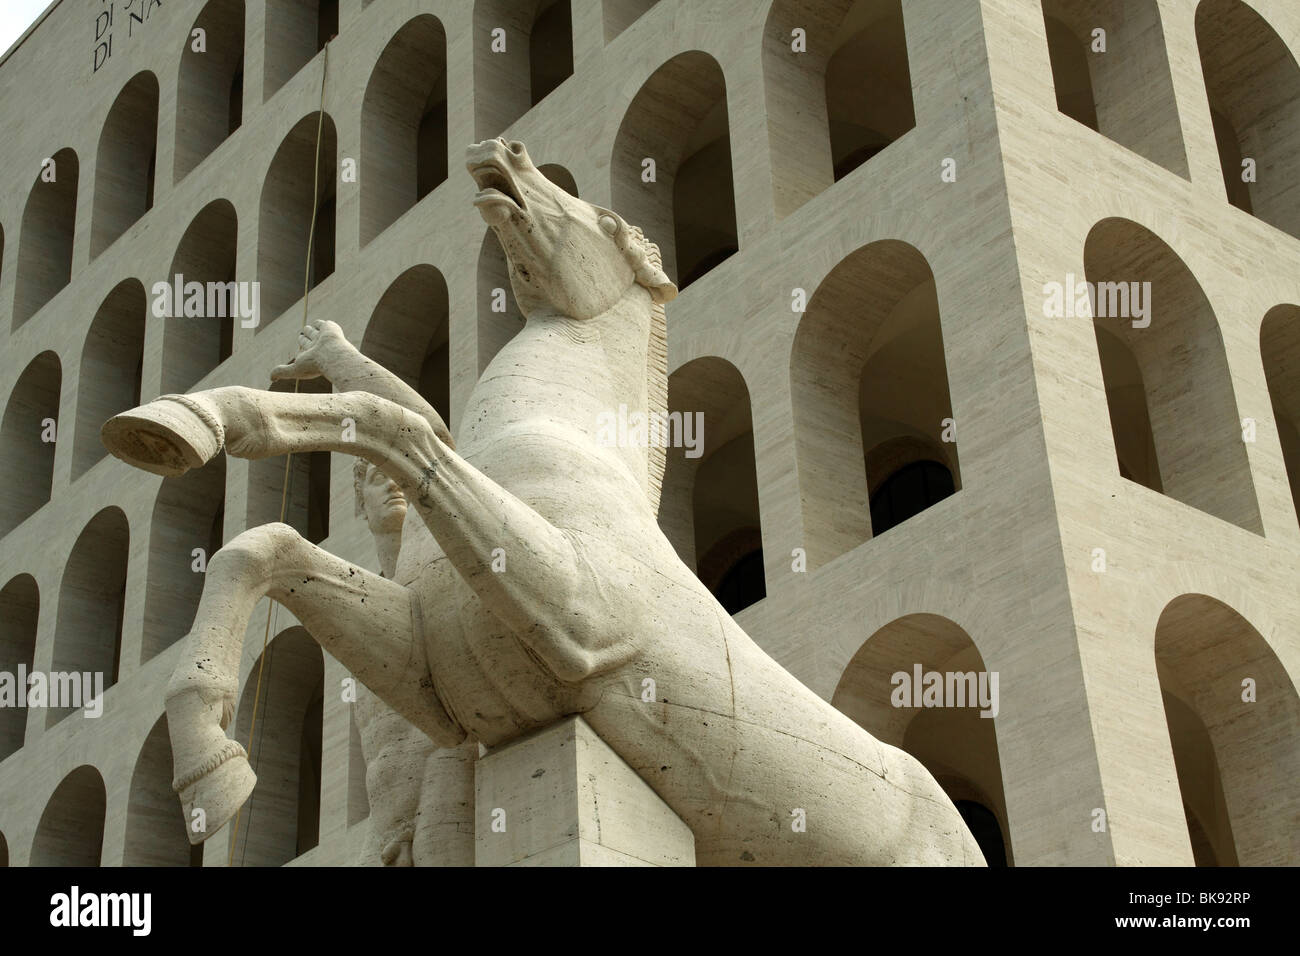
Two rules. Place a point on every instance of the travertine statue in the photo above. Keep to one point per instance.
(592, 603)
(421, 795)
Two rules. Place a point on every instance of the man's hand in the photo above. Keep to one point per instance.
(320, 344)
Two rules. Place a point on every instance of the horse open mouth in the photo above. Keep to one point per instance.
(495, 186)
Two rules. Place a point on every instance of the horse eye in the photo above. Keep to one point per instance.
(608, 224)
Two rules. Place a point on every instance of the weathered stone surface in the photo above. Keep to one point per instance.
(562, 797)
(551, 589)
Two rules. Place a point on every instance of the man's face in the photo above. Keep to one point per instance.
(384, 503)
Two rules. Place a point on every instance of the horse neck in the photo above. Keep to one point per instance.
(599, 365)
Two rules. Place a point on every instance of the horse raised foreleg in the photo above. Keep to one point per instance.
(556, 600)
(365, 621)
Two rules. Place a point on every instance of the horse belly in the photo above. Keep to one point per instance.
(484, 676)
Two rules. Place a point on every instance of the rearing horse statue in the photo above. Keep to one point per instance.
(593, 599)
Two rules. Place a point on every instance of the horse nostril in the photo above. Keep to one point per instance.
(515, 146)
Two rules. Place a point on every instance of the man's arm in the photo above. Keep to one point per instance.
(323, 349)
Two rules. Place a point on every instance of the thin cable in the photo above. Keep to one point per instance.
(274, 608)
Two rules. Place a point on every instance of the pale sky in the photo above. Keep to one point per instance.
(15, 17)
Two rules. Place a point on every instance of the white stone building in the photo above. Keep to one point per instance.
(918, 451)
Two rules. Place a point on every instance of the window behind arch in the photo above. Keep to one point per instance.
(984, 827)
(908, 492)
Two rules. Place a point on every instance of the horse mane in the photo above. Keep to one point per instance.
(656, 375)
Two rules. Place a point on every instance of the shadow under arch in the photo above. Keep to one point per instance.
(71, 830)
(281, 820)
(408, 335)
(404, 124)
(112, 363)
(20, 604)
(1234, 716)
(947, 733)
(679, 120)
(1252, 82)
(155, 821)
(210, 85)
(1156, 313)
(285, 213)
(871, 399)
(125, 165)
(45, 236)
(92, 599)
(709, 506)
(199, 334)
(26, 457)
(839, 99)
(1279, 349)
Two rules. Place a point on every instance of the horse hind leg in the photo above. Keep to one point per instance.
(365, 621)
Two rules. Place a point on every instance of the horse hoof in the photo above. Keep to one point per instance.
(168, 436)
(212, 801)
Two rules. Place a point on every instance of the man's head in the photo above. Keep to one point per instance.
(378, 498)
(565, 254)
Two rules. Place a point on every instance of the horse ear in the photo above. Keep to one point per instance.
(641, 253)
(661, 288)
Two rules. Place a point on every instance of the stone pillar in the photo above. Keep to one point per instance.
(563, 797)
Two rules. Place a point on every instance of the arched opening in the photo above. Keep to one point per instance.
(1253, 84)
(550, 48)
(404, 125)
(407, 334)
(678, 122)
(281, 821)
(523, 49)
(112, 362)
(210, 88)
(1126, 402)
(1110, 68)
(1279, 347)
(618, 15)
(499, 318)
(1071, 76)
(198, 335)
(27, 436)
(560, 176)
(45, 243)
(920, 684)
(839, 90)
(71, 831)
(285, 216)
(871, 400)
(125, 163)
(908, 491)
(20, 603)
(155, 823)
(188, 514)
(307, 500)
(92, 597)
(868, 84)
(296, 30)
(1233, 716)
(709, 505)
(1156, 332)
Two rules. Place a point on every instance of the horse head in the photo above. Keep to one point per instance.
(566, 255)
